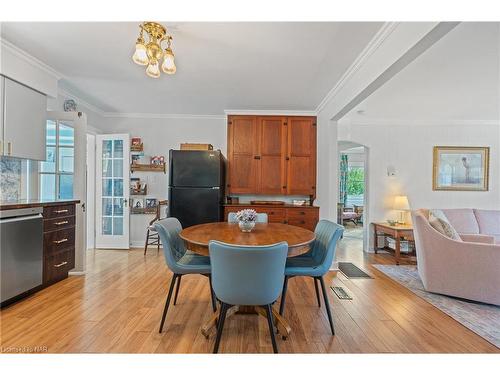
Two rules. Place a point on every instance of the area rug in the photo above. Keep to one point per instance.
(480, 318)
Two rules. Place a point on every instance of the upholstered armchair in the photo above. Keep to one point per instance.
(464, 269)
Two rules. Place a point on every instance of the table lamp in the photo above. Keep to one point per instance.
(401, 204)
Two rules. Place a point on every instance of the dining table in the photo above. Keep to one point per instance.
(197, 238)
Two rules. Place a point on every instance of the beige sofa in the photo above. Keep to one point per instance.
(467, 269)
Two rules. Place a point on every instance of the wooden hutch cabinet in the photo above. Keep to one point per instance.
(272, 155)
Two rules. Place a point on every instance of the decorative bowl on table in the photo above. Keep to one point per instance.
(246, 220)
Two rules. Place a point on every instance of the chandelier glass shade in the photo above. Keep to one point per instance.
(151, 53)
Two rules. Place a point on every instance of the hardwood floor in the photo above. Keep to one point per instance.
(116, 308)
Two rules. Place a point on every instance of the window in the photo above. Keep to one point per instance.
(56, 173)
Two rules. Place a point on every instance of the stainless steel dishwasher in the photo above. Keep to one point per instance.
(21, 251)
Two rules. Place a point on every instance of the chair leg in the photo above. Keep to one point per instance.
(327, 304)
(317, 291)
(212, 294)
(158, 245)
(220, 326)
(283, 296)
(177, 289)
(147, 240)
(165, 309)
(271, 327)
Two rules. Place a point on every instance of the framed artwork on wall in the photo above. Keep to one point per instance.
(460, 168)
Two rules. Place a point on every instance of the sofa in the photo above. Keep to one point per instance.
(468, 268)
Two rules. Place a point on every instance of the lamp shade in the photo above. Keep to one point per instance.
(401, 203)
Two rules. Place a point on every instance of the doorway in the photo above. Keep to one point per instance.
(352, 200)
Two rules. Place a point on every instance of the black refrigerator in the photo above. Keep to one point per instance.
(196, 186)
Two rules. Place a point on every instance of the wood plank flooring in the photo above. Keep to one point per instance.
(116, 308)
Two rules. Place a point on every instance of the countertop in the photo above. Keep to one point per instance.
(25, 203)
(267, 205)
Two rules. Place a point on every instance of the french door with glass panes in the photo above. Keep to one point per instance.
(112, 191)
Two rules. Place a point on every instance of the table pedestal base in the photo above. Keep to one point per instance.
(280, 322)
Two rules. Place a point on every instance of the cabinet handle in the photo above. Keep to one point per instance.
(61, 241)
(62, 222)
(9, 148)
(287, 158)
(302, 213)
(60, 211)
(284, 187)
(60, 264)
(257, 157)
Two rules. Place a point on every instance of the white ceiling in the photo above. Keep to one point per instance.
(220, 66)
(456, 79)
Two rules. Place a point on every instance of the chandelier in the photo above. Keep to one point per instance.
(151, 53)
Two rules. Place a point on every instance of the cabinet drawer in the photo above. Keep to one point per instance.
(58, 223)
(56, 267)
(274, 215)
(302, 213)
(51, 212)
(303, 223)
(56, 241)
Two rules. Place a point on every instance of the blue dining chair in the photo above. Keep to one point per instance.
(261, 218)
(248, 276)
(316, 262)
(180, 260)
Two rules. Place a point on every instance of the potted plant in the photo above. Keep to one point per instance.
(246, 219)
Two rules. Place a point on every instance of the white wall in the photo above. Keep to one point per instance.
(409, 148)
(159, 135)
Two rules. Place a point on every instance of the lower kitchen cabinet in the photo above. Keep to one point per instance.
(58, 242)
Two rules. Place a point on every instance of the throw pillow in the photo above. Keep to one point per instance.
(444, 227)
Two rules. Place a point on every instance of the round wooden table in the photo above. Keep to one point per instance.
(299, 242)
(197, 237)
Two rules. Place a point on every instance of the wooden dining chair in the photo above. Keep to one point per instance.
(152, 237)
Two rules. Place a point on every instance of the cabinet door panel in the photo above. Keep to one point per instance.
(301, 167)
(272, 155)
(25, 112)
(242, 149)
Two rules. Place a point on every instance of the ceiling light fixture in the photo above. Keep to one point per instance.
(151, 53)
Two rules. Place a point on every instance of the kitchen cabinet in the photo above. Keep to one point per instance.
(24, 116)
(242, 152)
(272, 155)
(301, 156)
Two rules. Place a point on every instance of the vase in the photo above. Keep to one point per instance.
(246, 226)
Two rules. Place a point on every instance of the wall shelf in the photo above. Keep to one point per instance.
(148, 168)
(150, 210)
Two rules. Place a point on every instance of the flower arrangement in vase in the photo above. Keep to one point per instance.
(246, 219)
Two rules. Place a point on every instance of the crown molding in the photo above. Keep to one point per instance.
(162, 116)
(267, 112)
(22, 54)
(421, 122)
(365, 54)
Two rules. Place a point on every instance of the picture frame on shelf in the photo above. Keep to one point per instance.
(158, 160)
(151, 202)
(138, 203)
(136, 141)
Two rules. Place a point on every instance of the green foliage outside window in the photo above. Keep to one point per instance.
(355, 181)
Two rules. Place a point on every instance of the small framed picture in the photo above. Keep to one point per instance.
(138, 203)
(460, 168)
(151, 202)
(136, 141)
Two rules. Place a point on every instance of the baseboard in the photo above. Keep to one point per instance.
(76, 273)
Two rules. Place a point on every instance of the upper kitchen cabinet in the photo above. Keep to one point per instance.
(272, 141)
(301, 156)
(24, 115)
(242, 154)
(272, 155)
